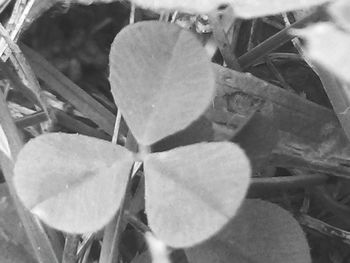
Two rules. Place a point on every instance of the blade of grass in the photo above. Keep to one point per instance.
(77, 126)
(274, 41)
(24, 71)
(111, 227)
(61, 85)
(324, 228)
(226, 48)
(16, 24)
(336, 89)
(113, 231)
(120, 223)
(259, 186)
(46, 250)
(9, 73)
(31, 120)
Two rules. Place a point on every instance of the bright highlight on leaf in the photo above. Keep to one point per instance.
(328, 45)
(193, 191)
(73, 183)
(161, 79)
(4, 145)
(261, 232)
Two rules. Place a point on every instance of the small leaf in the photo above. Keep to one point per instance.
(73, 183)
(4, 144)
(328, 45)
(161, 79)
(261, 232)
(192, 191)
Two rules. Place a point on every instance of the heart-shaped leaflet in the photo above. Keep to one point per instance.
(193, 191)
(73, 183)
(161, 79)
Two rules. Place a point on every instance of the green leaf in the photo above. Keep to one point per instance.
(193, 191)
(261, 232)
(73, 183)
(161, 79)
(328, 45)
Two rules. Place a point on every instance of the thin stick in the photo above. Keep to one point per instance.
(173, 17)
(324, 228)
(84, 246)
(114, 255)
(116, 127)
(109, 230)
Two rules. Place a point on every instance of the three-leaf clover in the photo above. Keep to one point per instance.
(162, 81)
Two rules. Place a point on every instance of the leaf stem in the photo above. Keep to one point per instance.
(120, 224)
